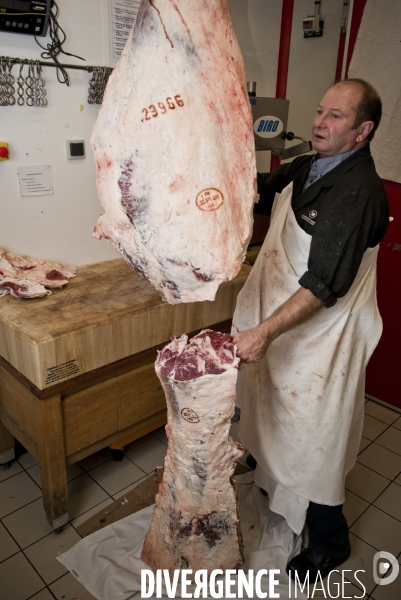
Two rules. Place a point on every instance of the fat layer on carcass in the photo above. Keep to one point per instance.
(174, 149)
(195, 522)
(25, 269)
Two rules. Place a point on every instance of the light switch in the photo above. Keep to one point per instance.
(75, 149)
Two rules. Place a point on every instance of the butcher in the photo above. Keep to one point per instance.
(307, 322)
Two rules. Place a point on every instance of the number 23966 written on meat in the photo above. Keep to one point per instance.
(153, 112)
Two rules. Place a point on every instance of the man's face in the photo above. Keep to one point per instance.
(332, 131)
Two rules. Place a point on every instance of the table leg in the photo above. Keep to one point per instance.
(52, 462)
(6, 445)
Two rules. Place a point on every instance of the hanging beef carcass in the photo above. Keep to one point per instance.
(174, 149)
(195, 522)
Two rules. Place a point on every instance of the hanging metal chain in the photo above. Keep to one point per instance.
(29, 86)
(7, 89)
(7, 81)
(10, 83)
(41, 100)
(20, 84)
(3, 87)
(35, 85)
(30, 83)
(93, 86)
(107, 71)
(97, 84)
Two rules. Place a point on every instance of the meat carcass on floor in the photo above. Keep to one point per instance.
(195, 522)
(174, 149)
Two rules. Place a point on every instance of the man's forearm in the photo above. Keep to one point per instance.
(252, 344)
(295, 311)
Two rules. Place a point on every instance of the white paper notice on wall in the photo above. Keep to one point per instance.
(123, 15)
(35, 180)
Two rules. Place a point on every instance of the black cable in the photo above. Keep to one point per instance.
(58, 37)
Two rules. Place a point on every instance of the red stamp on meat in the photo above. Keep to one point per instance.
(190, 415)
(210, 199)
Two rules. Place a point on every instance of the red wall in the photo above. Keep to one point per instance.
(357, 13)
(383, 378)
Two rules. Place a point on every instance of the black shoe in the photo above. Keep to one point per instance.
(251, 462)
(310, 561)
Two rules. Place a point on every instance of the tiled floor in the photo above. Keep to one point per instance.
(28, 546)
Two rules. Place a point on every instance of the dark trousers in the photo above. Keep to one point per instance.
(327, 529)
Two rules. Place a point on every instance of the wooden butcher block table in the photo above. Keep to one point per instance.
(77, 367)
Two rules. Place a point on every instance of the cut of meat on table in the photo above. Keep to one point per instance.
(22, 288)
(47, 273)
(195, 522)
(174, 148)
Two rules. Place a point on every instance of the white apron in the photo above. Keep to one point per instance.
(302, 404)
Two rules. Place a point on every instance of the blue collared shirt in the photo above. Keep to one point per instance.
(321, 166)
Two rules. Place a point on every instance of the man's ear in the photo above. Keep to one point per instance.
(364, 130)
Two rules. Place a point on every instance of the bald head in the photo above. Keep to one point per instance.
(335, 129)
(368, 105)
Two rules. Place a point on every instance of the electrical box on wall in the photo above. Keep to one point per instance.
(313, 24)
(30, 17)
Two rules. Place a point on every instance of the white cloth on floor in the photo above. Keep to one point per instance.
(282, 501)
(108, 563)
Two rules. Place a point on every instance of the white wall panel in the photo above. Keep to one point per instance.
(377, 58)
(312, 65)
(257, 24)
(58, 226)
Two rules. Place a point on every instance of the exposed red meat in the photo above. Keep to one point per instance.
(55, 275)
(209, 352)
(174, 149)
(195, 521)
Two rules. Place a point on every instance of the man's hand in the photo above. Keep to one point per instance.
(252, 344)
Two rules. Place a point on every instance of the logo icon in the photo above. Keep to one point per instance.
(268, 126)
(313, 214)
(384, 562)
